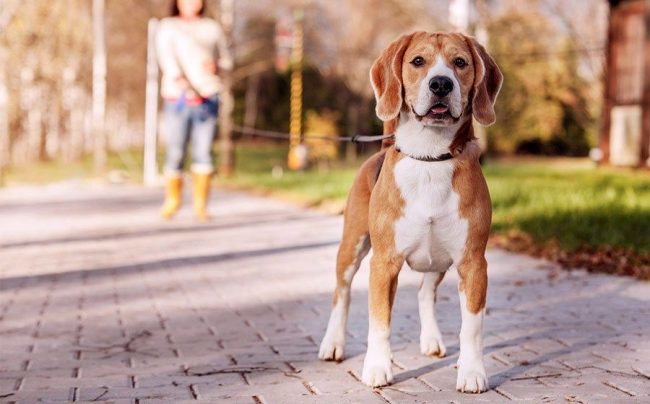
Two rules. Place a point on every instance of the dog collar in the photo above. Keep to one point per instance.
(429, 159)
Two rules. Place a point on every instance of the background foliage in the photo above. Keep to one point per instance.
(549, 103)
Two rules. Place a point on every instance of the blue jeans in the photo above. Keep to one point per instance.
(195, 124)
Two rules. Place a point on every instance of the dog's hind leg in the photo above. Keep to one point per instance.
(430, 336)
(332, 346)
(355, 245)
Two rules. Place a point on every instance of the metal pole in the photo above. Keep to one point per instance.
(150, 174)
(295, 124)
(99, 86)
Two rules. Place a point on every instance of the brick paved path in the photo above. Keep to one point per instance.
(99, 300)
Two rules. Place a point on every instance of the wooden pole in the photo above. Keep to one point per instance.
(99, 86)
(226, 146)
(609, 83)
(250, 112)
(644, 155)
(150, 173)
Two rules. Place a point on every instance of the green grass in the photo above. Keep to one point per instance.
(575, 205)
(254, 167)
(128, 163)
(565, 201)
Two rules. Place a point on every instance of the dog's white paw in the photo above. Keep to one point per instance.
(331, 349)
(377, 373)
(431, 345)
(471, 378)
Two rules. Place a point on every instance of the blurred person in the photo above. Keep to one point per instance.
(187, 45)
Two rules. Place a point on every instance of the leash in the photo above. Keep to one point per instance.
(354, 139)
(281, 135)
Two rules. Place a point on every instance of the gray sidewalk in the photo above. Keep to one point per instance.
(102, 301)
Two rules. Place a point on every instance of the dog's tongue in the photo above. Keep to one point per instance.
(439, 109)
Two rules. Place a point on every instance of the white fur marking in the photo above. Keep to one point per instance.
(333, 344)
(425, 96)
(416, 139)
(360, 251)
(471, 372)
(430, 336)
(430, 234)
(377, 369)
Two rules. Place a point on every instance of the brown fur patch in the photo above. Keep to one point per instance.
(355, 219)
(464, 135)
(386, 78)
(487, 83)
(389, 129)
(378, 165)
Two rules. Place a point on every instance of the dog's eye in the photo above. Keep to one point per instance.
(417, 61)
(460, 62)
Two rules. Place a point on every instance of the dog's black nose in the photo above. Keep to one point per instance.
(441, 85)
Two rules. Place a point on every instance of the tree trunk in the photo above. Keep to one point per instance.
(150, 174)
(5, 142)
(250, 115)
(7, 12)
(29, 97)
(99, 86)
(226, 147)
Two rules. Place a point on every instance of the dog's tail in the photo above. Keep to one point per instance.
(389, 129)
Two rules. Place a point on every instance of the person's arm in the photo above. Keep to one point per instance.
(224, 58)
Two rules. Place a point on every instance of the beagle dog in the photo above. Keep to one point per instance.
(422, 200)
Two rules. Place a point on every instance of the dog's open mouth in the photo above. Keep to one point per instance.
(438, 114)
(439, 108)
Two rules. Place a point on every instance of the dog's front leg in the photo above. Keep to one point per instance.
(383, 284)
(472, 289)
(430, 337)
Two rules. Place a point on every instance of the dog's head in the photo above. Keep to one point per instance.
(436, 78)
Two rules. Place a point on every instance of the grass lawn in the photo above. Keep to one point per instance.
(572, 205)
(570, 202)
(565, 210)
(555, 206)
(126, 165)
(254, 170)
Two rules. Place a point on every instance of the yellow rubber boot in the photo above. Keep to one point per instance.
(201, 192)
(173, 195)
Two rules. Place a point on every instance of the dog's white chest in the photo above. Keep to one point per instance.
(430, 234)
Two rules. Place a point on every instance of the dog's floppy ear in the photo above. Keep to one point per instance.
(386, 78)
(487, 83)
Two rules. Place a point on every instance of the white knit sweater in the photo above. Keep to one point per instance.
(185, 49)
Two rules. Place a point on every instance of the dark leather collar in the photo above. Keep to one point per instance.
(429, 159)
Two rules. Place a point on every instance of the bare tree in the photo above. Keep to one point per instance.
(99, 85)
(226, 146)
(6, 14)
(355, 25)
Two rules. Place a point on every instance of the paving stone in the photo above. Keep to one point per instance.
(99, 300)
